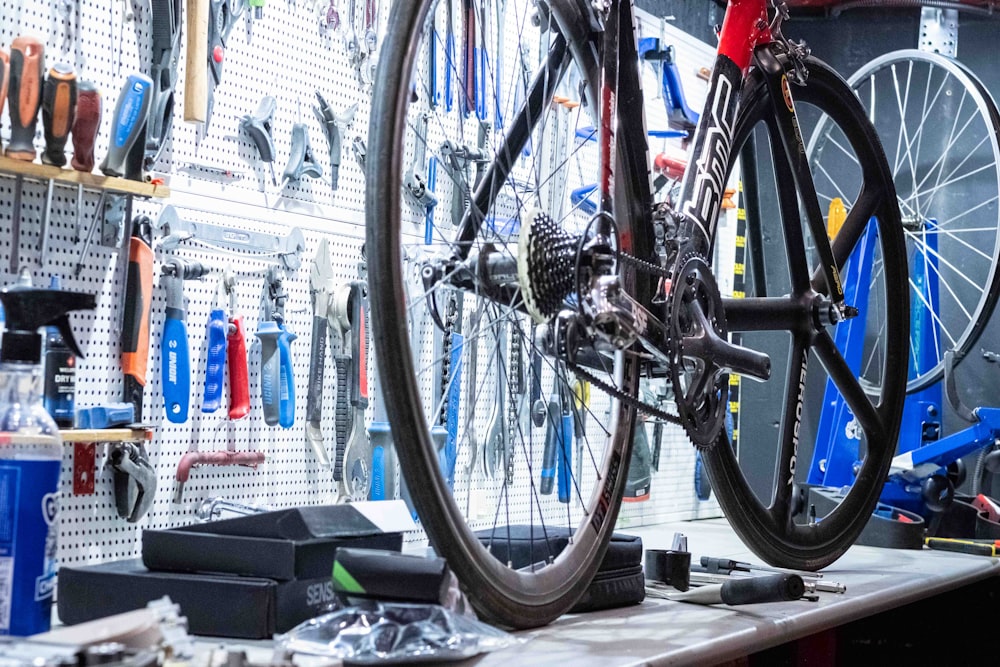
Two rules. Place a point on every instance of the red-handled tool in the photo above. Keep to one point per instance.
(85, 125)
(236, 355)
(135, 318)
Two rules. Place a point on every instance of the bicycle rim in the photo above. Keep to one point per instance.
(939, 127)
(774, 518)
(489, 484)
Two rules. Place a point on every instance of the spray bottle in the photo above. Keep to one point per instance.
(31, 453)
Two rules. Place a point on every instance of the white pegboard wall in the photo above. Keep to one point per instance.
(284, 55)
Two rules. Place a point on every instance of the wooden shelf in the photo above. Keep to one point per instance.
(45, 172)
(93, 435)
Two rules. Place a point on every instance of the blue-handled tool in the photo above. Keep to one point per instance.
(553, 425)
(276, 380)
(564, 478)
(449, 453)
(175, 369)
(215, 357)
(105, 416)
(128, 129)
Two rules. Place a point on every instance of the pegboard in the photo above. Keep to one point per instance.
(217, 178)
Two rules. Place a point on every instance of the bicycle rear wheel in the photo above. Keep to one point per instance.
(772, 515)
(492, 433)
(941, 132)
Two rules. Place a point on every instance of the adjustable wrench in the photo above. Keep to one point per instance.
(321, 288)
(353, 460)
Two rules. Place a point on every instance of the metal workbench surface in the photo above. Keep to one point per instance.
(662, 632)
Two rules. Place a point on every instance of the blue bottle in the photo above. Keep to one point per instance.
(31, 453)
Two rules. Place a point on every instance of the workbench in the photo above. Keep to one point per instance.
(663, 632)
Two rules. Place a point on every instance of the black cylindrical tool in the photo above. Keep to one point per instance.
(747, 590)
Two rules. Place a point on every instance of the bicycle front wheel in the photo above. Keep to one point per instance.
(787, 313)
(497, 441)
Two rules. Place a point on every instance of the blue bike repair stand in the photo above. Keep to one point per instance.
(917, 486)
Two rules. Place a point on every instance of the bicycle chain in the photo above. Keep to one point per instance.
(631, 401)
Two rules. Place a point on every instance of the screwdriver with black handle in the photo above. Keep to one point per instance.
(24, 94)
(58, 113)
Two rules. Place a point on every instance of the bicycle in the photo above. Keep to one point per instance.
(510, 299)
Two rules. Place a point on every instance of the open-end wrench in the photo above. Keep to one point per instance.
(416, 188)
(366, 68)
(353, 460)
(497, 433)
(471, 363)
(321, 288)
(352, 45)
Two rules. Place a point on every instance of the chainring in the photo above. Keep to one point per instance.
(701, 386)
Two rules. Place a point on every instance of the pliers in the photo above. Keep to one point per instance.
(321, 288)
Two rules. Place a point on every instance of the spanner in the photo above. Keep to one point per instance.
(497, 433)
(416, 188)
(321, 288)
(471, 350)
(353, 459)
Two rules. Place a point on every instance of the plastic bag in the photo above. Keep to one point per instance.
(385, 632)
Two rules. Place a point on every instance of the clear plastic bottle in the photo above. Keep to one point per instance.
(30, 456)
(31, 453)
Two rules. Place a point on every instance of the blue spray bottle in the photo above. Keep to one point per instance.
(31, 452)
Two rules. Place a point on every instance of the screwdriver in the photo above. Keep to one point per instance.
(125, 155)
(58, 113)
(24, 91)
(88, 120)
(4, 78)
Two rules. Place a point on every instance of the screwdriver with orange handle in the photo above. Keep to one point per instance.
(24, 92)
(4, 78)
(135, 320)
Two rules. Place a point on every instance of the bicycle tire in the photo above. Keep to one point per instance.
(775, 523)
(940, 128)
(536, 596)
